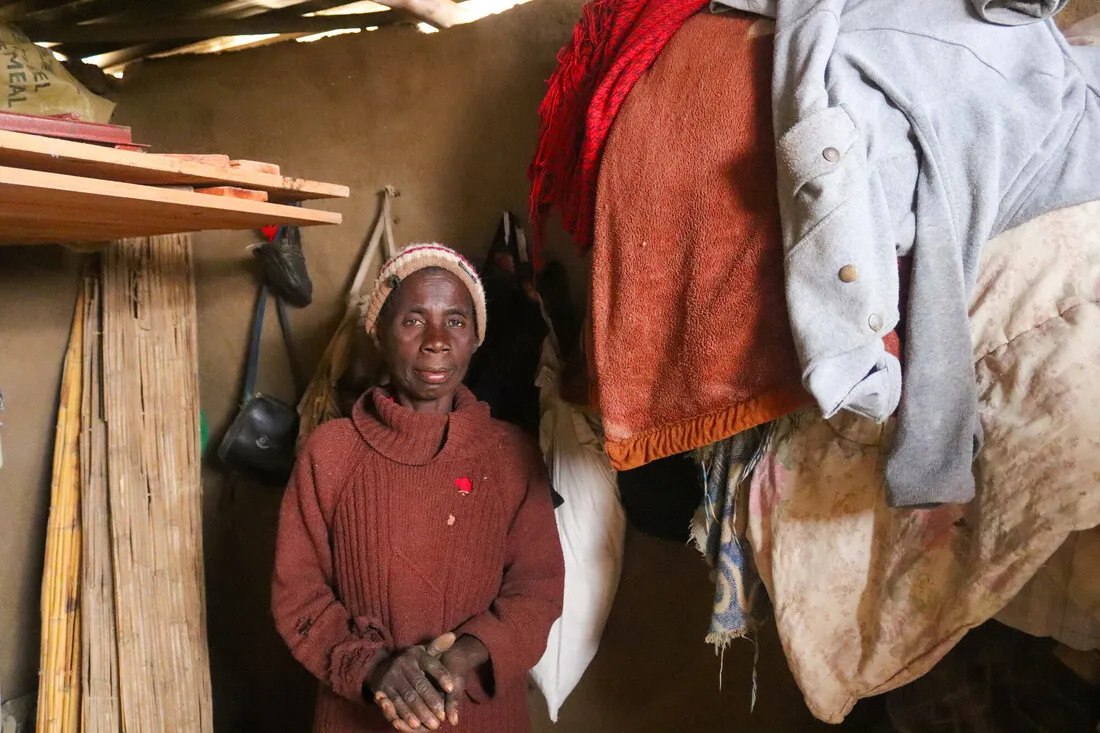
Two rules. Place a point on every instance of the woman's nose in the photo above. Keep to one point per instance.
(435, 340)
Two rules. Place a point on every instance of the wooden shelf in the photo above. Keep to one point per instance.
(41, 207)
(34, 152)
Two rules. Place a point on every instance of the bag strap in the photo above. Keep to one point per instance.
(511, 240)
(383, 229)
(387, 218)
(253, 368)
(521, 244)
(291, 353)
(505, 240)
(525, 267)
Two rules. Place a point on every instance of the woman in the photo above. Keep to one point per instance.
(418, 569)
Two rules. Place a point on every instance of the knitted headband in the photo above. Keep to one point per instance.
(418, 257)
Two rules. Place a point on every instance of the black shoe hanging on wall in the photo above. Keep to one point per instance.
(284, 265)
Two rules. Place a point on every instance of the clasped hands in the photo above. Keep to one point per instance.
(422, 686)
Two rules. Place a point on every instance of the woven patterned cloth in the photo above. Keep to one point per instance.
(718, 531)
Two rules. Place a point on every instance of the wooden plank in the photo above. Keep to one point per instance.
(440, 13)
(205, 159)
(314, 6)
(255, 165)
(132, 33)
(37, 207)
(113, 55)
(240, 8)
(234, 193)
(69, 128)
(10, 12)
(34, 152)
(73, 11)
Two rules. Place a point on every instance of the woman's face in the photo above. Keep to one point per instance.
(427, 338)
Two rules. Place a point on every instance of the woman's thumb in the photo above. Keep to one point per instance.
(441, 644)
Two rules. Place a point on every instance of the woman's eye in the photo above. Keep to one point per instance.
(410, 322)
(456, 323)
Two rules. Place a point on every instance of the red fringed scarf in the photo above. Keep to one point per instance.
(614, 43)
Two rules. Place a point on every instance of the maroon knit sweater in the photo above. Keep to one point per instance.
(387, 540)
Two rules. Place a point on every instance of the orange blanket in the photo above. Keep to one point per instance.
(689, 319)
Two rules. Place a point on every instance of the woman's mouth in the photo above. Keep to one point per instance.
(434, 376)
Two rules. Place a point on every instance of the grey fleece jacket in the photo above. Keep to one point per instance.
(920, 128)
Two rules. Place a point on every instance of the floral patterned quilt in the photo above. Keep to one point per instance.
(868, 598)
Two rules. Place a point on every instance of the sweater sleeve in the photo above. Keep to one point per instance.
(515, 628)
(835, 216)
(336, 647)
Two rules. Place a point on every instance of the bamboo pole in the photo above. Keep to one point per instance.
(59, 684)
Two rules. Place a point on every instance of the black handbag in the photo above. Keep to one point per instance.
(259, 444)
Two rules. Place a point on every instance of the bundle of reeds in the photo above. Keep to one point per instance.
(154, 486)
(124, 632)
(99, 684)
(59, 675)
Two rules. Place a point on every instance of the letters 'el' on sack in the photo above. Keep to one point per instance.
(35, 83)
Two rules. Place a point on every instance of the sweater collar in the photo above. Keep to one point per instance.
(414, 438)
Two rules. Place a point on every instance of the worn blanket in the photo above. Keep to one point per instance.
(689, 319)
(1062, 600)
(691, 343)
(612, 47)
(868, 598)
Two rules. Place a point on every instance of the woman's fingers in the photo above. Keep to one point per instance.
(452, 709)
(389, 710)
(404, 713)
(409, 698)
(385, 704)
(421, 698)
(453, 698)
(434, 668)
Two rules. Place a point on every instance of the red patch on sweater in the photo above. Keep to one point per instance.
(465, 486)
